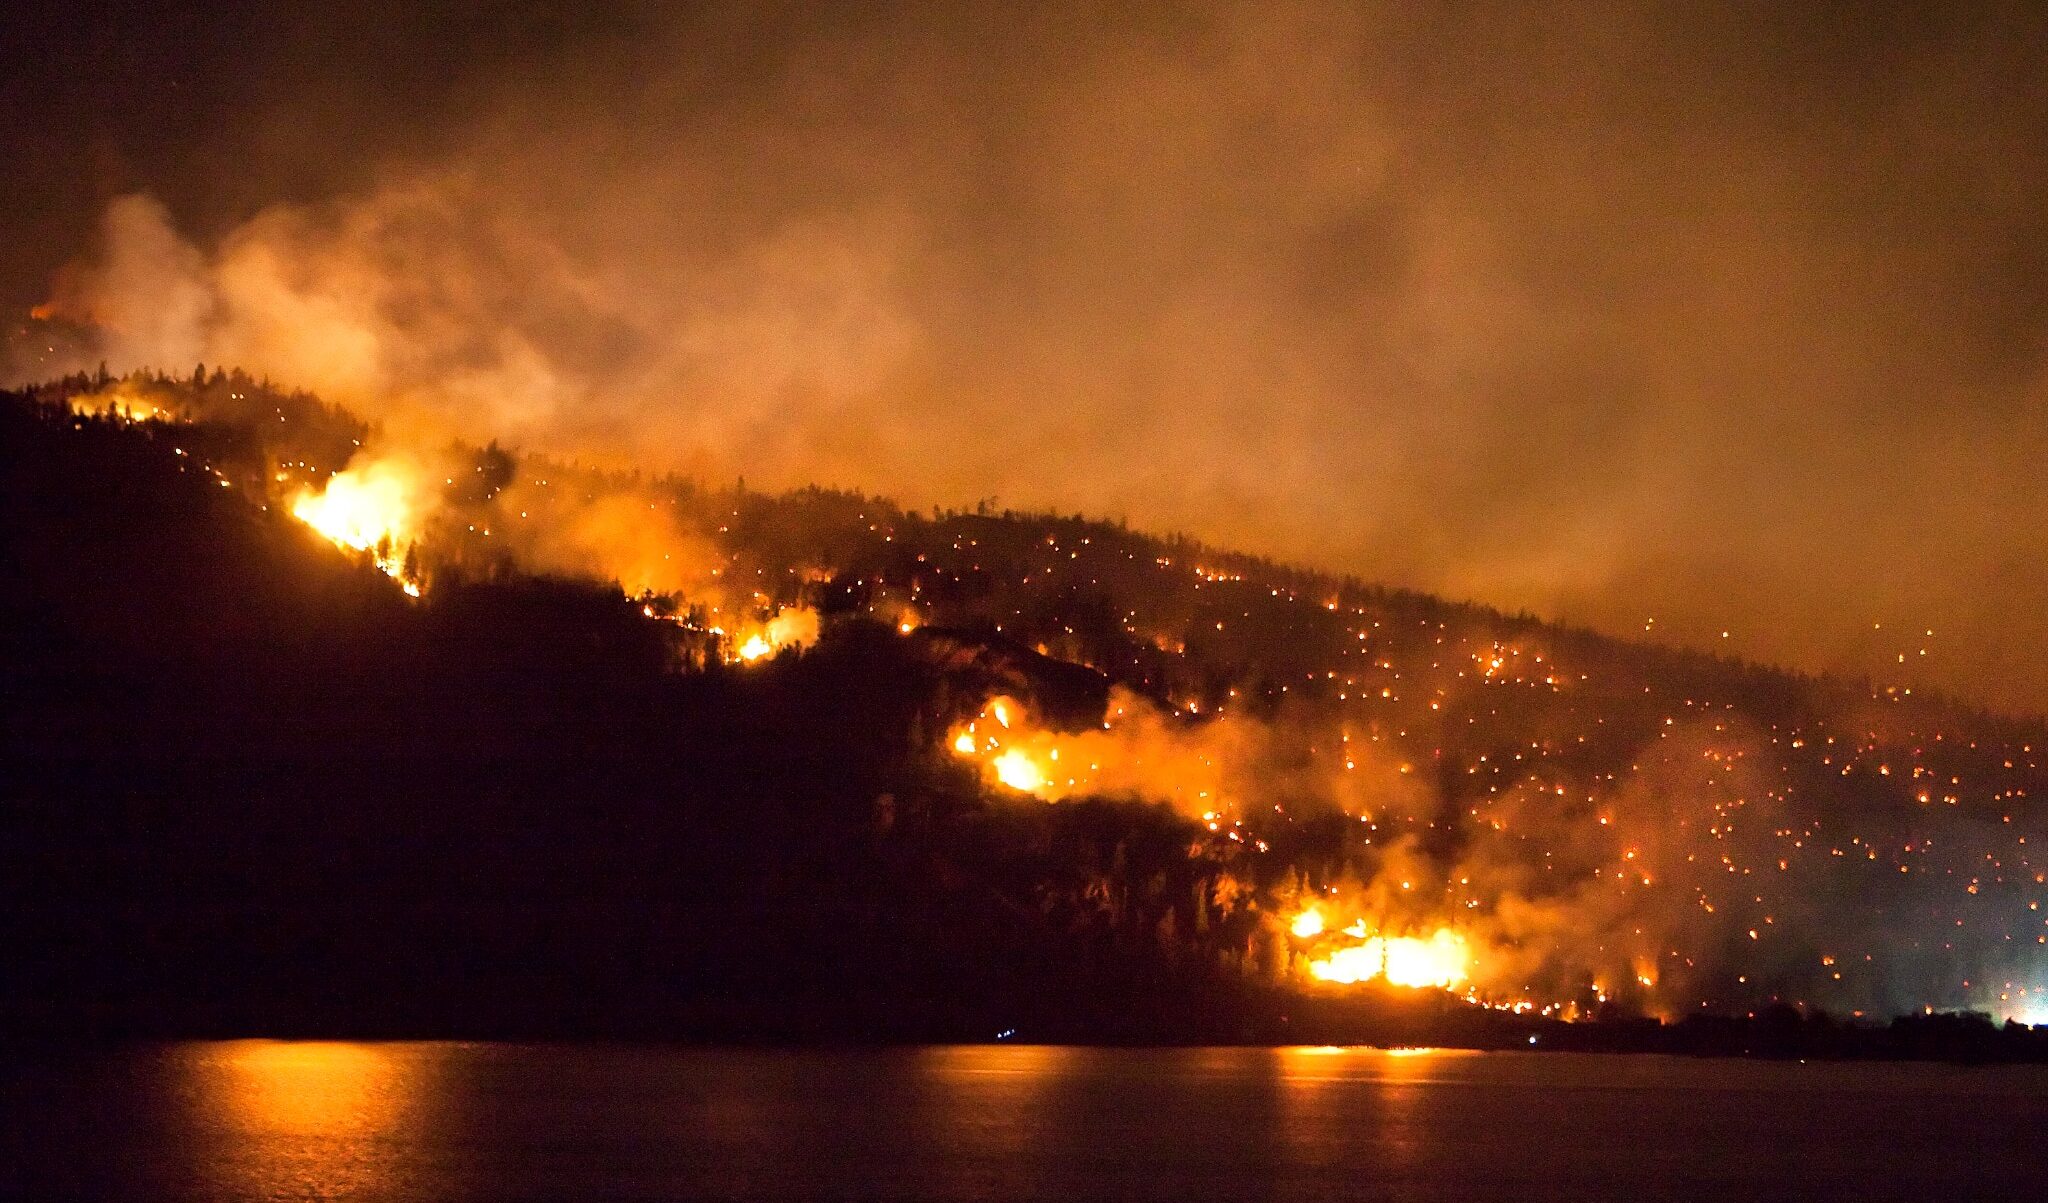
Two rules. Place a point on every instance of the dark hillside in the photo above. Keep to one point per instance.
(253, 786)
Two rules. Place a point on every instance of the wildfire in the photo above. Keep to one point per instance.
(1018, 771)
(368, 510)
(121, 401)
(1135, 752)
(1440, 961)
(791, 626)
(1014, 755)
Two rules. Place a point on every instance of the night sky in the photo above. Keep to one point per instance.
(1733, 316)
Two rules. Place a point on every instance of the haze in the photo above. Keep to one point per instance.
(1733, 319)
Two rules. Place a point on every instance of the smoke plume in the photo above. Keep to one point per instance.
(1622, 315)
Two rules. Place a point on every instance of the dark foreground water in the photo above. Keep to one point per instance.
(263, 1120)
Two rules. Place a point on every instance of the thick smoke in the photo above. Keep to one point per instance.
(629, 536)
(1695, 881)
(1714, 319)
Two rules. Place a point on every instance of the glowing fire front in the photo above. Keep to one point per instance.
(371, 509)
(1442, 960)
(124, 402)
(1018, 756)
(1135, 752)
(791, 627)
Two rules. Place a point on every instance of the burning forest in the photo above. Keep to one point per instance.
(957, 602)
(1133, 764)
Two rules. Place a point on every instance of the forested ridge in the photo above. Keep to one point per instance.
(255, 788)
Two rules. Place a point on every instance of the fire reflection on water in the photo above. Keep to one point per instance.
(1329, 1094)
(435, 1123)
(311, 1119)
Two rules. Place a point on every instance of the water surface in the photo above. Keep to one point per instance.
(289, 1121)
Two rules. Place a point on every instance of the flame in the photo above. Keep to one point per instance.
(1018, 758)
(792, 626)
(1442, 961)
(368, 509)
(123, 401)
(1018, 771)
(1135, 752)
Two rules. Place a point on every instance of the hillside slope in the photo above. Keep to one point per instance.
(650, 755)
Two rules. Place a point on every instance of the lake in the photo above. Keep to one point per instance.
(285, 1121)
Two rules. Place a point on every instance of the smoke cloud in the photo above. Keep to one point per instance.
(1619, 314)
